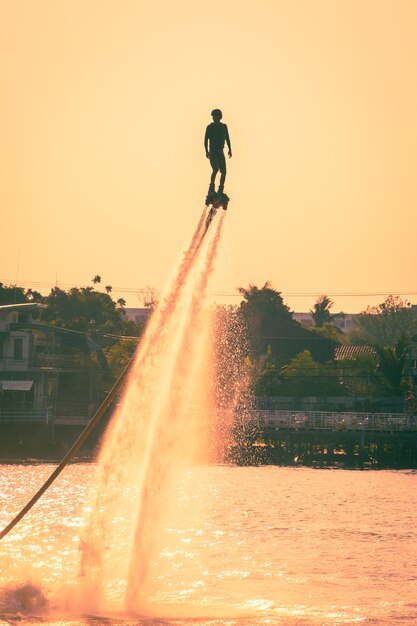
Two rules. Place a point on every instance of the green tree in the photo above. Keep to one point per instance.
(264, 302)
(385, 324)
(301, 376)
(88, 311)
(12, 294)
(266, 379)
(357, 376)
(99, 316)
(264, 314)
(269, 321)
(321, 311)
(119, 355)
(330, 331)
(393, 366)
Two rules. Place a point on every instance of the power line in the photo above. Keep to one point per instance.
(235, 294)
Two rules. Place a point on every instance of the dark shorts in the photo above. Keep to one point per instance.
(218, 161)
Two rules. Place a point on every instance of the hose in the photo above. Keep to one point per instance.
(73, 450)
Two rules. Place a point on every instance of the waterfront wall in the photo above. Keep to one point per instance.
(317, 439)
(44, 442)
(344, 449)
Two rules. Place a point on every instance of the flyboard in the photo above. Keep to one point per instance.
(215, 200)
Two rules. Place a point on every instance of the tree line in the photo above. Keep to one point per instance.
(281, 356)
(381, 361)
(87, 310)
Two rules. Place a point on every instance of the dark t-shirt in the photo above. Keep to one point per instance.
(216, 135)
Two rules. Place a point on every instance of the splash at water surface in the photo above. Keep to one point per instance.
(157, 432)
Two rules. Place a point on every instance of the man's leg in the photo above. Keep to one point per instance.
(222, 167)
(214, 162)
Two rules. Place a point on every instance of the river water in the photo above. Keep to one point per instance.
(246, 546)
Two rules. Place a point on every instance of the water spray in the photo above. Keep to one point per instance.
(180, 278)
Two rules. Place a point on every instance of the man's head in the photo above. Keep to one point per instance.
(217, 115)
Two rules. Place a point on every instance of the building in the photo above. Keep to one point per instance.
(138, 315)
(344, 321)
(43, 368)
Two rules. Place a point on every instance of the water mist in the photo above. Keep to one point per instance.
(157, 431)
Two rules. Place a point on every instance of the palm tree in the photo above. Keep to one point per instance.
(393, 365)
(321, 311)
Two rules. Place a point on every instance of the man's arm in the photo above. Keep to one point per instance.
(206, 142)
(229, 145)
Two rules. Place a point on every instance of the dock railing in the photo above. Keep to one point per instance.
(11, 416)
(324, 420)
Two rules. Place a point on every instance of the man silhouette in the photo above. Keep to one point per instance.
(216, 136)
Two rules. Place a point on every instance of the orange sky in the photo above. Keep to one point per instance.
(102, 115)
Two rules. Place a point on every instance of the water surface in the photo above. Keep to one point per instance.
(256, 545)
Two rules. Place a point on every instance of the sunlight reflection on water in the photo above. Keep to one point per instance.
(265, 546)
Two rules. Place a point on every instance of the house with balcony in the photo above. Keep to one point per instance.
(46, 372)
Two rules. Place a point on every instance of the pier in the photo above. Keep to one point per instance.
(277, 437)
(332, 420)
(350, 440)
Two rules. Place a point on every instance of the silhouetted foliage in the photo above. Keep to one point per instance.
(330, 332)
(119, 354)
(269, 322)
(150, 298)
(266, 379)
(262, 303)
(393, 365)
(385, 324)
(303, 376)
(99, 316)
(12, 294)
(321, 311)
(358, 376)
(88, 311)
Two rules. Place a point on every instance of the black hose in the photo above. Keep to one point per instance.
(71, 453)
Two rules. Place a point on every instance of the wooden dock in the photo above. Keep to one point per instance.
(327, 439)
(325, 420)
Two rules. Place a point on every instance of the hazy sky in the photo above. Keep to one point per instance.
(103, 110)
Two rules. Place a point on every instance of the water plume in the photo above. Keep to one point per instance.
(234, 430)
(158, 430)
